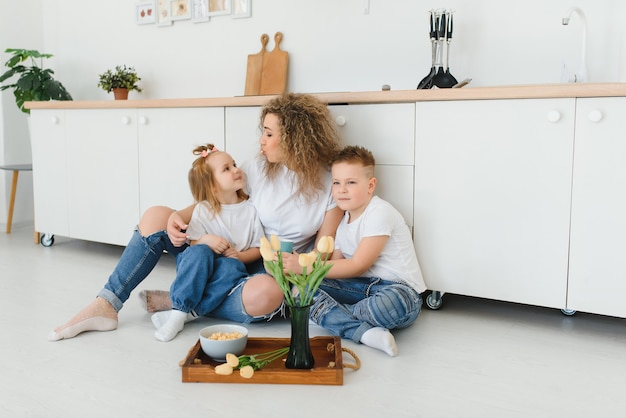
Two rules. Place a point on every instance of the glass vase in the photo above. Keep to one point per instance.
(300, 355)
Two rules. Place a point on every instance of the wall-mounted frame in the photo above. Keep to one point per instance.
(200, 11)
(164, 17)
(241, 8)
(145, 13)
(219, 7)
(180, 9)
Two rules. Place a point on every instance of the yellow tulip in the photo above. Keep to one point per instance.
(326, 244)
(275, 241)
(266, 250)
(307, 259)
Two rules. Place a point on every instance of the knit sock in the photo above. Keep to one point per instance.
(155, 300)
(380, 339)
(160, 318)
(174, 324)
(99, 315)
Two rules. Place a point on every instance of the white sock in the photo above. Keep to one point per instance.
(172, 327)
(380, 339)
(160, 318)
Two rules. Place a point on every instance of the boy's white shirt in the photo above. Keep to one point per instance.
(397, 261)
(238, 223)
(282, 212)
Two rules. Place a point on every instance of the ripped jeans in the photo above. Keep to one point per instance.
(140, 257)
(349, 307)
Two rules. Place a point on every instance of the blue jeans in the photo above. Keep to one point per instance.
(349, 307)
(204, 279)
(142, 254)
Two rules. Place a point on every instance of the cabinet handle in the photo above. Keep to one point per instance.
(340, 120)
(554, 116)
(54, 120)
(125, 120)
(595, 116)
(143, 120)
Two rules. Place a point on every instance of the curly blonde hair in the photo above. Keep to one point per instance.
(309, 139)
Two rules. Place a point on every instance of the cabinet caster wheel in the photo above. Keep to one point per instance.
(434, 300)
(47, 240)
(568, 312)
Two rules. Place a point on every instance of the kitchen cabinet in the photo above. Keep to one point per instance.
(243, 132)
(102, 182)
(100, 169)
(47, 131)
(597, 273)
(492, 198)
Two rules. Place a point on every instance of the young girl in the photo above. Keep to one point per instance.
(224, 232)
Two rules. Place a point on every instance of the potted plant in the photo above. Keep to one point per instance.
(121, 80)
(34, 83)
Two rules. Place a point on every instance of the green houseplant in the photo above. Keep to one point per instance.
(123, 77)
(34, 83)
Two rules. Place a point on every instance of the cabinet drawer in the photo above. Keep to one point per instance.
(386, 130)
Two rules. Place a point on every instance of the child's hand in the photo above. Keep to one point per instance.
(230, 252)
(176, 229)
(215, 242)
(290, 263)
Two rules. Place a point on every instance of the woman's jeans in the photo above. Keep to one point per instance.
(349, 307)
(142, 254)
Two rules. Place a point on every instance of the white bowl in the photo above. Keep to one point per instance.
(217, 349)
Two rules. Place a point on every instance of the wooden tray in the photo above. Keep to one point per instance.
(198, 367)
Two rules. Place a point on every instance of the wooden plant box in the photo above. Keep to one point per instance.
(328, 370)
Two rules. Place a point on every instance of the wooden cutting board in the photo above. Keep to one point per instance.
(255, 68)
(275, 65)
(267, 71)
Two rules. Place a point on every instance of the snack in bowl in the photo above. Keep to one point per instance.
(218, 340)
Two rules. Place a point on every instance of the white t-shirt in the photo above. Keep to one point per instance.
(397, 260)
(238, 223)
(289, 216)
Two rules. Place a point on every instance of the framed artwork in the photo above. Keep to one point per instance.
(219, 7)
(241, 8)
(180, 9)
(145, 13)
(200, 11)
(164, 17)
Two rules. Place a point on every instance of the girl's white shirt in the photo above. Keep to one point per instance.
(397, 261)
(239, 223)
(289, 216)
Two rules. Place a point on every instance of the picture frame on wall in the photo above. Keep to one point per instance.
(164, 17)
(241, 8)
(219, 7)
(200, 11)
(180, 9)
(145, 13)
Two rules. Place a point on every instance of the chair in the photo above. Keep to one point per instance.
(16, 168)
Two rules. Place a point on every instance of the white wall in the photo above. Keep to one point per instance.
(332, 44)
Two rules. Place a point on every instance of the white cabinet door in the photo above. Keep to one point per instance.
(102, 187)
(492, 198)
(243, 132)
(47, 131)
(389, 132)
(167, 138)
(597, 276)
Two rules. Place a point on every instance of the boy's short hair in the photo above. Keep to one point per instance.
(355, 154)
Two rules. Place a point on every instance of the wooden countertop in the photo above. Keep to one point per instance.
(538, 91)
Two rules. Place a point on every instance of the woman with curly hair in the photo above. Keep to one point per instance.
(289, 184)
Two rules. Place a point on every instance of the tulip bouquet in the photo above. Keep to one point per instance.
(314, 269)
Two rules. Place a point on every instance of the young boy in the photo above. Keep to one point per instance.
(376, 281)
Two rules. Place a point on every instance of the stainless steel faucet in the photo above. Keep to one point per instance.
(581, 74)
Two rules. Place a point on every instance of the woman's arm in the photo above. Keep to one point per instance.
(177, 222)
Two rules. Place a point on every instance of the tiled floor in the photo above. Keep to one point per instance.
(472, 358)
